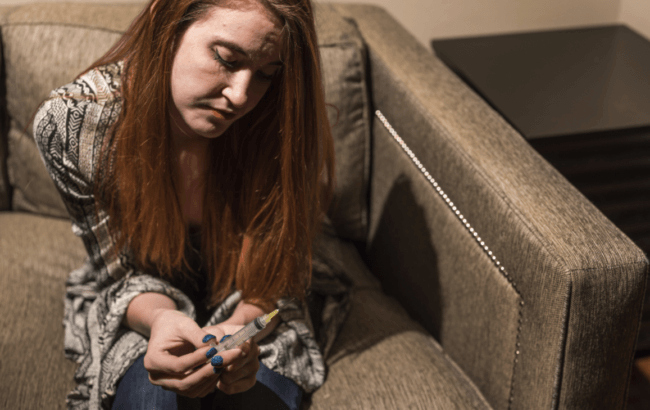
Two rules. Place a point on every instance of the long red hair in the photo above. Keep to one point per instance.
(270, 176)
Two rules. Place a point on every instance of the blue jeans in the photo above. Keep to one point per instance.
(272, 391)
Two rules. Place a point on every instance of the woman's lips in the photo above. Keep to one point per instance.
(223, 116)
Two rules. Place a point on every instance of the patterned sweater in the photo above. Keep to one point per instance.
(69, 129)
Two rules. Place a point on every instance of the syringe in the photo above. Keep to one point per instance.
(245, 333)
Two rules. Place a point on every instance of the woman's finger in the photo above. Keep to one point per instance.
(249, 353)
(190, 385)
(163, 362)
(209, 387)
(230, 357)
(249, 370)
(240, 384)
(187, 387)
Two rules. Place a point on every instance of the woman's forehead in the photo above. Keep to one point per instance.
(248, 24)
(258, 6)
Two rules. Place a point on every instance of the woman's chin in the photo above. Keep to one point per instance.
(210, 132)
(215, 129)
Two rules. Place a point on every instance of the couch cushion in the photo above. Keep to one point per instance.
(344, 76)
(56, 33)
(41, 52)
(382, 359)
(36, 255)
(397, 365)
(40, 57)
(33, 189)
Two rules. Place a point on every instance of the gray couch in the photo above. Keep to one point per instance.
(482, 278)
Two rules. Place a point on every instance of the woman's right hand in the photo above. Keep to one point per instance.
(178, 355)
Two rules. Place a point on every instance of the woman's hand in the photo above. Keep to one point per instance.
(177, 357)
(179, 354)
(239, 365)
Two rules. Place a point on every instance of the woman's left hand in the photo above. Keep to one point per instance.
(240, 364)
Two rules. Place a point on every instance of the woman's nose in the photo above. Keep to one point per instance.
(238, 88)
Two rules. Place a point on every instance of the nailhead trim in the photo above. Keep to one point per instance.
(470, 229)
(444, 196)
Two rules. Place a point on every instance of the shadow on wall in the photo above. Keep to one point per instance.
(402, 256)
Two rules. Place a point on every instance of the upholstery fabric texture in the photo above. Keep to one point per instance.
(33, 189)
(344, 78)
(5, 189)
(382, 358)
(644, 331)
(559, 251)
(55, 38)
(447, 282)
(36, 255)
(392, 363)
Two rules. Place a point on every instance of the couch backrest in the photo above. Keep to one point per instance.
(47, 45)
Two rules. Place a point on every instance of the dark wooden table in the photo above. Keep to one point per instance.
(560, 82)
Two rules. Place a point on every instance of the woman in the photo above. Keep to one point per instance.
(196, 161)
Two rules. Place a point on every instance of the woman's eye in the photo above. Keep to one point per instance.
(223, 60)
(267, 75)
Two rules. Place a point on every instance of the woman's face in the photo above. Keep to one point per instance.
(223, 66)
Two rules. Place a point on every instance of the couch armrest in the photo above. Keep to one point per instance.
(531, 290)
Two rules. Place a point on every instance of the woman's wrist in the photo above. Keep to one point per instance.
(144, 309)
(244, 314)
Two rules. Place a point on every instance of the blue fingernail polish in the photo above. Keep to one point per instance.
(211, 352)
(217, 361)
(224, 338)
(207, 338)
(217, 370)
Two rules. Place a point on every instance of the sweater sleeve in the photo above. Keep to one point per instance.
(69, 130)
